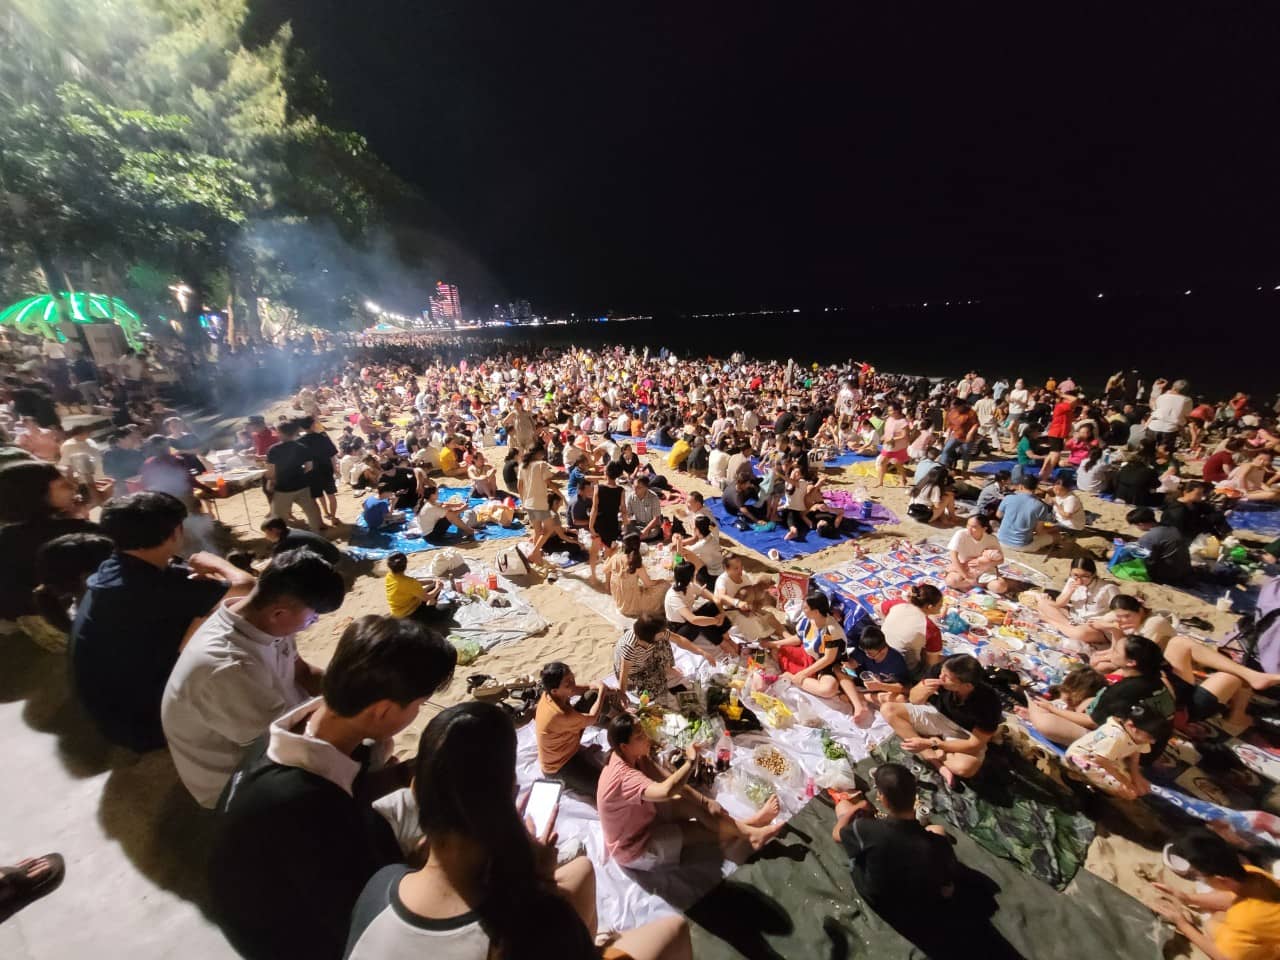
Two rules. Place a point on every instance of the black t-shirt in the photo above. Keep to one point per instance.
(1119, 698)
(125, 639)
(323, 450)
(784, 422)
(294, 539)
(19, 544)
(292, 854)
(121, 463)
(294, 462)
(511, 474)
(813, 420)
(400, 483)
(898, 865)
(980, 710)
(1170, 559)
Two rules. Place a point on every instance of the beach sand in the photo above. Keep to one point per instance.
(585, 640)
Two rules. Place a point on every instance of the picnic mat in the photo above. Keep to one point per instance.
(764, 541)
(843, 500)
(407, 538)
(868, 471)
(1260, 519)
(795, 899)
(651, 447)
(995, 466)
(1012, 809)
(847, 460)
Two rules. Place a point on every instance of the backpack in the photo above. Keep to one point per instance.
(1258, 637)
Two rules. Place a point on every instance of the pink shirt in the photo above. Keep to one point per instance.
(895, 428)
(626, 817)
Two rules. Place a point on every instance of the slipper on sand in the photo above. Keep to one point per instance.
(23, 888)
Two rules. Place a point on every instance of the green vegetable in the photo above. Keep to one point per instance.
(758, 792)
(832, 750)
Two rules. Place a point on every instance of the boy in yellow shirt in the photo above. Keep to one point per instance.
(409, 597)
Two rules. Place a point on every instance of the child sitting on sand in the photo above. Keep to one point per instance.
(1108, 756)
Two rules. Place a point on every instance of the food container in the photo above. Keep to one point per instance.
(769, 762)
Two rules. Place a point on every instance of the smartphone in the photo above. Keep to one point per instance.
(542, 804)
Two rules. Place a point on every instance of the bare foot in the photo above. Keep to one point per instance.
(948, 776)
(1263, 681)
(1236, 725)
(759, 836)
(765, 814)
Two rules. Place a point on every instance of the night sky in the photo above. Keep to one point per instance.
(663, 156)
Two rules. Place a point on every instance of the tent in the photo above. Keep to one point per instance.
(41, 315)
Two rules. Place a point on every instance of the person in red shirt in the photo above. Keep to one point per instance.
(962, 430)
(264, 438)
(1055, 438)
(1218, 466)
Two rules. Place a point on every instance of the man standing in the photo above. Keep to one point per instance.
(323, 477)
(289, 467)
(521, 424)
(241, 670)
(140, 608)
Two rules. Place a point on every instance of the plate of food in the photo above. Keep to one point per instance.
(974, 619)
(979, 633)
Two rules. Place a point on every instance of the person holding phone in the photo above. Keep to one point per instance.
(489, 886)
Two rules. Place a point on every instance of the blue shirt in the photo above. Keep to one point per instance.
(922, 469)
(892, 669)
(125, 640)
(575, 478)
(375, 512)
(1019, 515)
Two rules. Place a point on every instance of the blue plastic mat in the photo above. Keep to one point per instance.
(1262, 520)
(847, 460)
(365, 545)
(653, 447)
(775, 539)
(995, 466)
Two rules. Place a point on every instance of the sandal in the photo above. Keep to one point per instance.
(23, 888)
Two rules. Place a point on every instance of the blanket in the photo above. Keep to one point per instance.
(843, 500)
(486, 625)
(652, 447)
(1260, 519)
(796, 899)
(847, 460)
(1011, 809)
(764, 541)
(407, 537)
(995, 466)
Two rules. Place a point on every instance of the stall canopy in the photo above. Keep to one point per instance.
(41, 315)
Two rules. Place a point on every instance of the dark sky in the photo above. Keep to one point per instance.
(672, 156)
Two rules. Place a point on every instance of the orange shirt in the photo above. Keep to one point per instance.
(559, 733)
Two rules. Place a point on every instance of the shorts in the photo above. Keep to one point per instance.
(1054, 444)
(1199, 703)
(323, 485)
(930, 722)
(897, 455)
(538, 516)
(666, 841)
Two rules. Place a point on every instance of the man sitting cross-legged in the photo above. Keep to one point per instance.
(949, 717)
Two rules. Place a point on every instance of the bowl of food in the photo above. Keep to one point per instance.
(979, 633)
(974, 619)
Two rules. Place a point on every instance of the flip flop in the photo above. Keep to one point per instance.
(26, 890)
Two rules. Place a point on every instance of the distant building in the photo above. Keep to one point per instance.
(520, 311)
(445, 305)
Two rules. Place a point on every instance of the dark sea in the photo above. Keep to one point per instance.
(1220, 345)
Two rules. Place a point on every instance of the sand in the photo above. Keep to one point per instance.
(585, 640)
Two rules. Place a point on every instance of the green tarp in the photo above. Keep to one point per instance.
(796, 901)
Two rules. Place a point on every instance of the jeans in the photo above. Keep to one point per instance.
(956, 449)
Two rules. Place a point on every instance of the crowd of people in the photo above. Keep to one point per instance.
(196, 653)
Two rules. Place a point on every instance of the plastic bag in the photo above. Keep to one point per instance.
(468, 649)
(834, 775)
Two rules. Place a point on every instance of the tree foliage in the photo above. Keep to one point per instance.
(147, 134)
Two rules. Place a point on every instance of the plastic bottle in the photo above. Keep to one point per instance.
(724, 752)
(809, 788)
(666, 530)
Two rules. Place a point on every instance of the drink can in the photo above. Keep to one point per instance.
(493, 581)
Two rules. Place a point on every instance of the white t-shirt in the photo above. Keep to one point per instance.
(1019, 400)
(676, 605)
(904, 630)
(1169, 413)
(717, 466)
(230, 681)
(1085, 603)
(1068, 512)
(986, 410)
(795, 498)
(1111, 741)
(533, 485)
(429, 514)
(967, 548)
(929, 497)
(726, 587)
(708, 550)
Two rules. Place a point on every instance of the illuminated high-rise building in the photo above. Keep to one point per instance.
(445, 304)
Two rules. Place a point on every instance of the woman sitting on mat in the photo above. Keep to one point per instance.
(1084, 597)
(816, 651)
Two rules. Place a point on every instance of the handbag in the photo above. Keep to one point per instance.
(512, 562)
